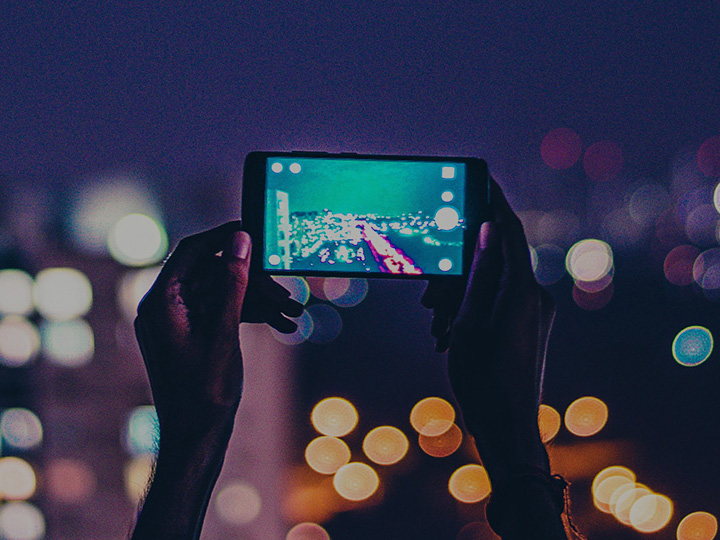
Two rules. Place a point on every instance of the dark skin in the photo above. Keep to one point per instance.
(495, 328)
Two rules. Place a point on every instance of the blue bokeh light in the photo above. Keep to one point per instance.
(692, 346)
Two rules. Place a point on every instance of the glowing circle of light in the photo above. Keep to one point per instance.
(304, 328)
(432, 416)
(132, 287)
(238, 503)
(70, 481)
(137, 240)
(614, 470)
(356, 292)
(647, 203)
(651, 513)
(307, 531)
(561, 148)
(137, 472)
(550, 265)
(16, 292)
(445, 265)
(604, 491)
(21, 521)
(327, 454)
(356, 481)
(622, 505)
(327, 323)
(334, 288)
(447, 196)
(592, 301)
(334, 417)
(692, 346)
(276, 167)
(589, 260)
(20, 428)
(295, 168)
(385, 445)
(298, 287)
(17, 479)
(701, 225)
(603, 161)
(62, 294)
(549, 422)
(618, 494)
(19, 341)
(443, 445)
(697, 526)
(706, 269)
(678, 265)
(586, 416)
(142, 432)
(447, 218)
(469, 484)
(708, 157)
(68, 343)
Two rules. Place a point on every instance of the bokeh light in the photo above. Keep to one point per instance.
(561, 148)
(549, 422)
(298, 287)
(307, 531)
(21, 521)
(68, 343)
(355, 293)
(432, 416)
(15, 292)
(334, 417)
(692, 346)
(708, 157)
(591, 301)
(356, 481)
(550, 266)
(137, 240)
(327, 454)
(614, 470)
(697, 526)
(647, 203)
(469, 483)
(142, 432)
(137, 473)
(238, 503)
(706, 270)
(678, 265)
(132, 287)
(385, 445)
(62, 294)
(20, 428)
(326, 321)
(305, 327)
(17, 479)
(442, 445)
(623, 503)
(716, 198)
(701, 225)
(70, 481)
(589, 260)
(19, 341)
(334, 288)
(651, 513)
(603, 161)
(603, 492)
(586, 416)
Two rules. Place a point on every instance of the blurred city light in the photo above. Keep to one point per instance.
(356, 292)
(692, 346)
(142, 431)
(326, 321)
(586, 416)
(591, 301)
(651, 513)
(708, 157)
(706, 270)
(62, 294)
(385, 445)
(603, 161)
(432, 416)
(615, 470)
(549, 422)
(307, 531)
(298, 287)
(137, 240)
(561, 148)
(15, 292)
(701, 225)
(334, 417)
(20, 428)
(19, 341)
(132, 287)
(623, 503)
(469, 484)
(678, 265)
(238, 503)
(604, 491)
(327, 454)
(647, 203)
(442, 445)
(697, 526)
(589, 260)
(305, 327)
(70, 481)
(17, 479)
(334, 288)
(356, 481)
(21, 521)
(137, 473)
(68, 343)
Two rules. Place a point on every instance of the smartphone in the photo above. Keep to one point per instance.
(320, 214)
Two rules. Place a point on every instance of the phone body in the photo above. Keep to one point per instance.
(321, 214)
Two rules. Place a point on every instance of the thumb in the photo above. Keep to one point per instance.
(238, 264)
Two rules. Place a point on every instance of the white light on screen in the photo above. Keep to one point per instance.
(448, 172)
(445, 265)
(137, 240)
(447, 218)
(274, 259)
(447, 196)
(295, 168)
(276, 167)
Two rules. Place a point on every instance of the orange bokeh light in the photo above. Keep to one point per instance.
(586, 416)
(549, 422)
(385, 445)
(356, 481)
(327, 454)
(470, 484)
(442, 445)
(651, 513)
(334, 417)
(432, 416)
(697, 526)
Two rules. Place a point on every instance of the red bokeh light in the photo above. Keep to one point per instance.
(561, 148)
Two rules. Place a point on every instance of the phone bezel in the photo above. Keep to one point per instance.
(477, 188)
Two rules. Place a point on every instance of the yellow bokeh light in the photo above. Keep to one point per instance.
(17, 479)
(356, 481)
(470, 484)
(586, 416)
(132, 287)
(385, 445)
(307, 531)
(549, 422)
(62, 294)
(602, 494)
(432, 416)
(589, 260)
(651, 513)
(238, 503)
(615, 470)
(137, 474)
(15, 292)
(697, 526)
(624, 503)
(327, 454)
(442, 445)
(334, 417)
(137, 240)
(19, 341)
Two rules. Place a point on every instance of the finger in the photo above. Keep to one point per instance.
(430, 296)
(238, 265)
(515, 246)
(485, 272)
(280, 323)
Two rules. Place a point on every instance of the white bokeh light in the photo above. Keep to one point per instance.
(447, 218)
(589, 260)
(19, 341)
(238, 503)
(17, 479)
(132, 288)
(15, 292)
(21, 521)
(21, 428)
(62, 294)
(137, 240)
(68, 343)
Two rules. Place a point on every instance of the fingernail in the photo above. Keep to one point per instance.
(240, 247)
(487, 234)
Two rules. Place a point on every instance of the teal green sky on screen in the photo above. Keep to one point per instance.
(364, 186)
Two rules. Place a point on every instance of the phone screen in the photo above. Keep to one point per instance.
(364, 216)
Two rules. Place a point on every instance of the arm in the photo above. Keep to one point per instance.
(187, 328)
(496, 329)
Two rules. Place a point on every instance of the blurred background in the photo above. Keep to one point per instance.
(123, 127)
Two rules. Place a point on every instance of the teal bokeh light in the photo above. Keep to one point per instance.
(692, 346)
